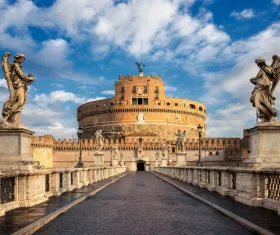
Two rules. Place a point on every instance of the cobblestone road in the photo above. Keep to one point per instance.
(141, 203)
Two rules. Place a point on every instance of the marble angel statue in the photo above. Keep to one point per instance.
(265, 83)
(99, 140)
(17, 84)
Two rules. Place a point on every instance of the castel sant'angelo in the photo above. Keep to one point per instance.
(141, 110)
(135, 124)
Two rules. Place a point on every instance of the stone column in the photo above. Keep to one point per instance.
(55, 184)
(15, 149)
(181, 158)
(264, 145)
(213, 181)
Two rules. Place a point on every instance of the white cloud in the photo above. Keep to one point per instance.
(108, 92)
(277, 2)
(171, 88)
(58, 96)
(56, 129)
(3, 83)
(62, 96)
(230, 121)
(245, 14)
(234, 84)
(53, 53)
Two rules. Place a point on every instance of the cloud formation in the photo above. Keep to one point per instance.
(245, 14)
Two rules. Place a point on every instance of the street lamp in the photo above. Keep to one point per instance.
(80, 136)
(199, 130)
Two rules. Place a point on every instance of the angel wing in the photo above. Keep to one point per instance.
(276, 67)
(6, 67)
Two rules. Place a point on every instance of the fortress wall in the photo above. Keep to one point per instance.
(44, 156)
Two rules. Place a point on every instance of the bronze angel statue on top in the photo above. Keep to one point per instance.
(18, 86)
(265, 83)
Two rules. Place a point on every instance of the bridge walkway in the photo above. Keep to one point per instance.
(17, 219)
(141, 203)
(262, 217)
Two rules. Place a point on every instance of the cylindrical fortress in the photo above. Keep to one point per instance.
(141, 110)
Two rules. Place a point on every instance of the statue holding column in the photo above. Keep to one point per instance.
(17, 84)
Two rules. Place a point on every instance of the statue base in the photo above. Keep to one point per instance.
(157, 164)
(163, 162)
(115, 163)
(181, 158)
(15, 149)
(264, 145)
(98, 159)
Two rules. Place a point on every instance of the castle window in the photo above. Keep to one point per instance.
(134, 101)
(145, 89)
(157, 90)
(145, 101)
(140, 101)
(159, 104)
(200, 109)
(134, 89)
(211, 153)
(111, 103)
(184, 105)
(168, 103)
(122, 97)
(140, 140)
(173, 149)
(192, 106)
(176, 104)
(122, 89)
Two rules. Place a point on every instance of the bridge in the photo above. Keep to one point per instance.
(141, 203)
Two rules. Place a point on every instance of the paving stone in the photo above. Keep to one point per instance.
(265, 218)
(141, 203)
(16, 219)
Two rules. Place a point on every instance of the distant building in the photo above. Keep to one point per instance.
(141, 110)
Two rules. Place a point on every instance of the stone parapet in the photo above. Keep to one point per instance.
(28, 188)
(258, 187)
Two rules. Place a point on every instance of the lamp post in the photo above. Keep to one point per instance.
(199, 130)
(80, 136)
(168, 159)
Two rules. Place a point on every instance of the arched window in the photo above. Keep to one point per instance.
(200, 109)
(192, 106)
(140, 140)
(173, 149)
(176, 104)
(168, 103)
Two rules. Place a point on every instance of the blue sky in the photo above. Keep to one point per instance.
(204, 50)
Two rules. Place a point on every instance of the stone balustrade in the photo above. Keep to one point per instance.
(26, 189)
(254, 187)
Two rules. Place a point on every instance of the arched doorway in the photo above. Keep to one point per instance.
(141, 165)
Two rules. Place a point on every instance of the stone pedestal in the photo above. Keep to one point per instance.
(157, 164)
(163, 162)
(98, 159)
(181, 158)
(115, 163)
(15, 149)
(264, 146)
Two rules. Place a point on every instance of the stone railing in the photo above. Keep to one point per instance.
(25, 189)
(254, 187)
